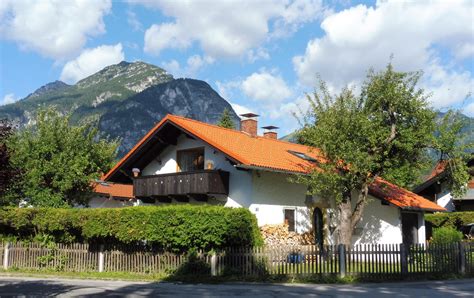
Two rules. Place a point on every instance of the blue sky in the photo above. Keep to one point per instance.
(262, 56)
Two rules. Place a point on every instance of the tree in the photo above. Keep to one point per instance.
(382, 132)
(58, 161)
(454, 152)
(226, 120)
(7, 172)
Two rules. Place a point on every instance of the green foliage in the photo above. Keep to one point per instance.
(381, 132)
(451, 147)
(446, 235)
(453, 220)
(170, 228)
(385, 131)
(226, 120)
(194, 265)
(58, 161)
(8, 173)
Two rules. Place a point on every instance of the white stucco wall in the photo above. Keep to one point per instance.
(272, 194)
(421, 228)
(445, 199)
(379, 224)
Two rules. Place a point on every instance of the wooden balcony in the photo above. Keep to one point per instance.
(182, 185)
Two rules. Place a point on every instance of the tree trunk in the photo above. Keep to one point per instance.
(345, 223)
(349, 217)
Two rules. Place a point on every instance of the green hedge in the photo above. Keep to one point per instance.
(451, 220)
(174, 228)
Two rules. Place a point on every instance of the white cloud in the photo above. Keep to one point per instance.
(8, 99)
(293, 108)
(361, 37)
(448, 87)
(54, 28)
(228, 89)
(225, 28)
(193, 65)
(266, 87)
(133, 21)
(90, 61)
(240, 109)
(469, 110)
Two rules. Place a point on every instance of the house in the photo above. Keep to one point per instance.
(112, 195)
(186, 161)
(435, 188)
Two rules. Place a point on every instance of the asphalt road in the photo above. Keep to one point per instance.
(17, 286)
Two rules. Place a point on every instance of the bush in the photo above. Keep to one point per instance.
(446, 235)
(173, 228)
(453, 219)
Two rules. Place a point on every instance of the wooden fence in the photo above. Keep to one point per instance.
(384, 261)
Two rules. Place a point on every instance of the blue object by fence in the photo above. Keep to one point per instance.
(295, 258)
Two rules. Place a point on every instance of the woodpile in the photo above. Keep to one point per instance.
(280, 235)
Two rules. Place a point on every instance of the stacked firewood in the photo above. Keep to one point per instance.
(280, 235)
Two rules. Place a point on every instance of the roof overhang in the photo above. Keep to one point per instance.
(165, 133)
(429, 182)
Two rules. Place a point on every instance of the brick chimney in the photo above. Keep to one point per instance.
(249, 124)
(269, 132)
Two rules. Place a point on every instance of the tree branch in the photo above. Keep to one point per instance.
(359, 208)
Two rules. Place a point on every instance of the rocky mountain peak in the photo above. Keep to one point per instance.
(53, 86)
(134, 76)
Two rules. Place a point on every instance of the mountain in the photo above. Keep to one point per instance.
(125, 99)
(134, 117)
(468, 126)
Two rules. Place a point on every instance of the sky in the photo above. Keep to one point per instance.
(262, 56)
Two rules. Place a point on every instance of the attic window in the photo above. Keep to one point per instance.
(302, 156)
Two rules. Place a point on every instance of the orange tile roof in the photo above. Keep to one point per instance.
(438, 169)
(270, 154)
(114, 189)
(470, 184)
(401, 197)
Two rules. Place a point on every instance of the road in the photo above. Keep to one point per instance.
(28, 286)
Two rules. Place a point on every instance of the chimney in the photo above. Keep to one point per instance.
(249, 124)
(269, 132)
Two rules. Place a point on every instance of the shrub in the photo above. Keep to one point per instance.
(174, 228)
(446, 235)
(452, 219)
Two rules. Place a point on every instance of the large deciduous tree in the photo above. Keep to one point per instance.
(58, 161)
(384, 131)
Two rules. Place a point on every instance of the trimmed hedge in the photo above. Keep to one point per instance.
(174, 228)
(451, 220)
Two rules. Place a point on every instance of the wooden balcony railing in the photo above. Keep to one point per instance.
(205, 182)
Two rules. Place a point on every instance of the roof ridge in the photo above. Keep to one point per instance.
(241, 132)
(205, 123)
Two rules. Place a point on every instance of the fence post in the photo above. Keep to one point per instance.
(462, 258)
(214, 264)
(341, 248)
(6, 253)
(101, 258)
(403, 259)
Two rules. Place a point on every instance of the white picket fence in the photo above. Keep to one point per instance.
(384, 261)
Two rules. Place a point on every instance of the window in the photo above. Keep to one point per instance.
(190, 159)
(290, 219)
(302, 156)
